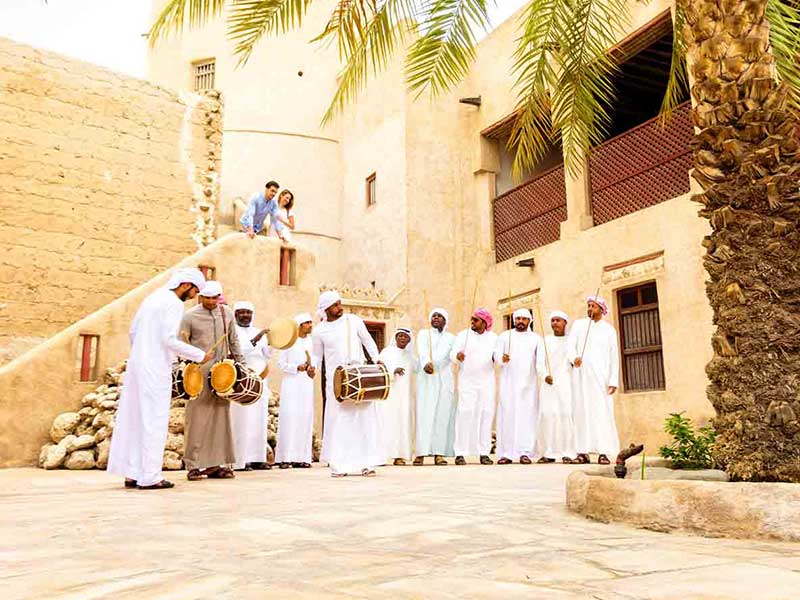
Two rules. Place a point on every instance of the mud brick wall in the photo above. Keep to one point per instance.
(105, 180)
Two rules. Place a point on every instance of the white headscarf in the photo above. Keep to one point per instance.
(211, 289)
(303, 318)
(559, 314)
(187, 275)
(326, 300)
(521, 312)
(442, 312)
(244, 305)
(407, 331)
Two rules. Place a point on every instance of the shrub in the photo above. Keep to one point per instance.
(690, 449)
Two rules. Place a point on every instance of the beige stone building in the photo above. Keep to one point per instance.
(415, 197)
(401, 203)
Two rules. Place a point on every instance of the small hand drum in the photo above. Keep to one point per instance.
(282, 333)
(361, 383)
(187, 380)
(222, 376)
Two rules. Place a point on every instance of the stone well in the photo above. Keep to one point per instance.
(708, 508)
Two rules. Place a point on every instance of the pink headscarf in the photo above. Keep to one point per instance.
(599, 301)
(485, 316)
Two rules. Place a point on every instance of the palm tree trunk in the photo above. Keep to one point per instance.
(747, 161)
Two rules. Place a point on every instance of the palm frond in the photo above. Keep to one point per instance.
(584, 88)
(251, 20)
(442, 55)
(368, 35)
(532, 134)
(176, 14)
(678, 81)
(784, 36)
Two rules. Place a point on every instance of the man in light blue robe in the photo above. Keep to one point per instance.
(436, 408)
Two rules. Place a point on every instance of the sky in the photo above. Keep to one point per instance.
(106, 32)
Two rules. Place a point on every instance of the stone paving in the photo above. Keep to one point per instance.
(411, 532)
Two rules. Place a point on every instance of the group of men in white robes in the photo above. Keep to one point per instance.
(555, 395)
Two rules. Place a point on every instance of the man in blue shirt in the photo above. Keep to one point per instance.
(260, 206)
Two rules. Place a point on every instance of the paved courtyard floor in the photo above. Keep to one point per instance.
(411, 532)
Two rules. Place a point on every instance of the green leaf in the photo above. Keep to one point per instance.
(784, 36)
(176, 14)
(251, 20)
(678, 82)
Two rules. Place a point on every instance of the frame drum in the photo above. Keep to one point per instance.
(282, 333)
(361, 383)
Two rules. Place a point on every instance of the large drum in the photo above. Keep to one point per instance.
(187, 380)
(234, 381)
(361, 383)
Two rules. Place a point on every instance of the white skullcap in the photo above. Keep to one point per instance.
(406, 330)
(211, 289)
(441, 311)
(303, 318)
(558, 314)
(522, 312)
(187, 275)
(244, 305)
(326, 300)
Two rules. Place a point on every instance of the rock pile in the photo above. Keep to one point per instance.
(82, 439)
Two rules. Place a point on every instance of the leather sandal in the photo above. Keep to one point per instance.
(161, 485)
(524, 460)
(603, 460)
(485, 460)
(195, 475)
(567, 460)
(440, 461)
(502, 461)
(545, 461)
(460, 461)
(368, 472)
(419, 461)
(221, 473)
(130, 483)
(399, 462)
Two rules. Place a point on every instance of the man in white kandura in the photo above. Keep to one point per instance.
(517, 352)
(594, 353)
(137, 446)
(352, 441)
(473, 352)
(296, 413)
(555, 437)
(249, 423)
(436, 407)
(397, 411)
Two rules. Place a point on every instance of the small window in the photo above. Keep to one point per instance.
(378, 333)
(640, 339)
(204, 74)
(287, 271)
(87, 356)
(371, 193)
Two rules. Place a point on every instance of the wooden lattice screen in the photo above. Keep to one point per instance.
(641, 167)
(530, 215)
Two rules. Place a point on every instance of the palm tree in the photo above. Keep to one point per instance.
(743, 57)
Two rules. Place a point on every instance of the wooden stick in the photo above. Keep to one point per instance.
(469, 311)
(546, 355)
(513, 325)
(589, 328)
(429, 326)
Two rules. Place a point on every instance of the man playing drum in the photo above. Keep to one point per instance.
(352, 440)
(250, 422)
(209, 439)
(137, 447)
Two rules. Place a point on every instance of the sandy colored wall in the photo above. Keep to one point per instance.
(26, 413)
(272, 124)
(97, 177)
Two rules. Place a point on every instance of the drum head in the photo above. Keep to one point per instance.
(282, 333)
(223, 376)
(192, 379)
(338, 382)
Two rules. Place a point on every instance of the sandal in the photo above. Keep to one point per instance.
(335, 474)
(368, 473)
(460, 461)
(485, 460)
(567, 460)
(523, 460)
(130, 483)
(545, 461)
(247, 467)
(301, 465)
(195, 475)
(581, 459)
(440, 461)
(502, 461)
(603, 460)
(419, 461)
(399, 462)
(221, 473)
(161, 485)
(285, 465)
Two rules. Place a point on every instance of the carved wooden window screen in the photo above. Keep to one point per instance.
(204, 72)
(640, 338)
(641, 167)
(530, 215)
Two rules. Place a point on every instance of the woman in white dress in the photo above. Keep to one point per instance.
(285, 215)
